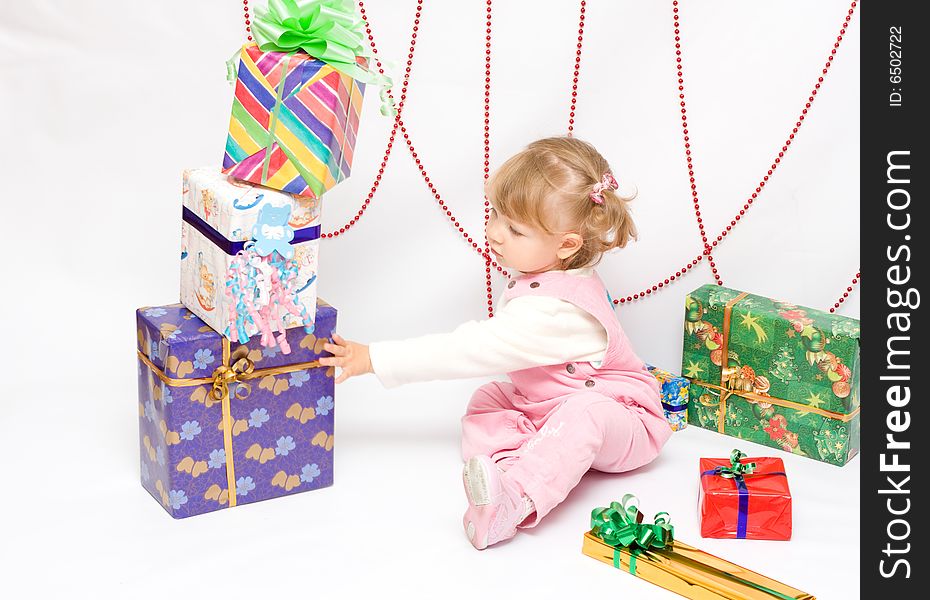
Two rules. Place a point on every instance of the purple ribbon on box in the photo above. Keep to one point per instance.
(736, 472)
(232, 248)
(674, 407)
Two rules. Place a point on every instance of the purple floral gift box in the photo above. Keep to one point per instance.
(221, 423)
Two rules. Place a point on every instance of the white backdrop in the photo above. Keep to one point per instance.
(103, 103)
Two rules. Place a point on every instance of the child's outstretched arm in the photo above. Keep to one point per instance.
(526, 332)
(351, 357)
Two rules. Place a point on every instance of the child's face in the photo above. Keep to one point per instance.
(526, 248)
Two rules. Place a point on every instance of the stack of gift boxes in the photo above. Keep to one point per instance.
(233, 405)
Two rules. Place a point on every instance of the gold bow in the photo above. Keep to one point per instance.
(239, 370)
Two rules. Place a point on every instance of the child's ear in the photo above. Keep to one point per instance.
(571, 243)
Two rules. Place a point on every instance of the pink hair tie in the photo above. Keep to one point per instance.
(606, 183)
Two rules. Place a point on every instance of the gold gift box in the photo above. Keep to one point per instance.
(693, 573)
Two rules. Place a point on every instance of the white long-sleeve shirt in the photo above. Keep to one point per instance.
(527, 331)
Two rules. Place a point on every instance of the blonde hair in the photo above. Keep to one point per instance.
(548, 185)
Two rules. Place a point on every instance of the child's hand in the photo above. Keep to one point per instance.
(351, 357)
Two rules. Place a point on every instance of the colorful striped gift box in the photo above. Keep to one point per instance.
(294, 122)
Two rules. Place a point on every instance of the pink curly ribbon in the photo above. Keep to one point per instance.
(278, 293)
(607, 182)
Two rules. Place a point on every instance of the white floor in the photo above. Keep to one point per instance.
(76, 521)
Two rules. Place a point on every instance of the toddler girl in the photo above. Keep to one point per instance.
(579, 397)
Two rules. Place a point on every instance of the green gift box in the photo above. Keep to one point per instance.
(772, 372)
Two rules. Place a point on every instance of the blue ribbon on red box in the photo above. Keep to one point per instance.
(736, 471)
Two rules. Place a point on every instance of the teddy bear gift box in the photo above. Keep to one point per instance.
(248, 257)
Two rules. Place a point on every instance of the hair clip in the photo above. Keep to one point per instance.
(606, 183)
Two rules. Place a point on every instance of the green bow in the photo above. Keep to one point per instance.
(736, 468)
(621, 526)
(328, 30)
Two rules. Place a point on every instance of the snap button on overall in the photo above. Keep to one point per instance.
(570, 368)
(589, 383)
(535, 284)
(511, 284)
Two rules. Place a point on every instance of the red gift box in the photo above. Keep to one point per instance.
(738, 501)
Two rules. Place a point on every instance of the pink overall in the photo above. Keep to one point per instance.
(553, 423)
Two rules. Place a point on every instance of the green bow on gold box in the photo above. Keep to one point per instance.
(772, 372)
(620, 535)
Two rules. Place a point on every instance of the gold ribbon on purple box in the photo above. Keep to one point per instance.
(236, 368)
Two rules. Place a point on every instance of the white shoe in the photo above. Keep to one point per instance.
(495, 505)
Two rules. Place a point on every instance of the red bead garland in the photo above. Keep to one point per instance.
(571, 110)
(248, 20)
(684, 125)
(399, 122)
(397, 119)
(485, 253)
(688, 155)
(845, 295)
(487, 157)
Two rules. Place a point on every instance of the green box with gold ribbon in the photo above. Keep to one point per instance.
(772, 372)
